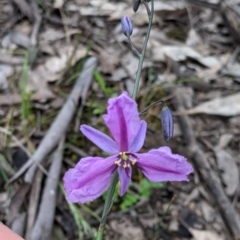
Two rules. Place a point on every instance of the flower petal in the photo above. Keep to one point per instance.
(89, 179)
(161, 165)
(138, 140)
(100, 139)
(122, 119)
(124, 178)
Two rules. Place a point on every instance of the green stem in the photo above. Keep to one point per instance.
(147, 7)
(140, 63)
(110, 193)
(107, 206)
(135, 51)
(152, 105)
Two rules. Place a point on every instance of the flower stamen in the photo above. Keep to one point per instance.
(125, 160)
(118, 162)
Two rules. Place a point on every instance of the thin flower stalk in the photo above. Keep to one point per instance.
(141, 59)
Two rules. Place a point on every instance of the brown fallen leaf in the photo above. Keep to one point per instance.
(38, 85)
(54, 65)
(204, 235)
(115, 10)
(58, 3)
(5, 71)
(230, 173)
(193, 38)
(129, 64)
(224, 106)
(181, 53)
(209, 213)
(230, 13)
(9, 99)
(232, 70)
(127, 230)
(109, 59)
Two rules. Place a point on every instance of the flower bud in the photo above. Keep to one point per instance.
(136, 5)
(127, 27)
(167, 122)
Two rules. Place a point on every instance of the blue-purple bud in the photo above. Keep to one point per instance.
(167, 122)
(136, 5)
(127, 27)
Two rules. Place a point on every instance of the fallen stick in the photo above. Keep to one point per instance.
(33, 204)
(210, 178)
(19, 223)
(60, 124)
(43, 224)
(16, 202)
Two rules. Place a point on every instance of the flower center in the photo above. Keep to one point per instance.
(125, 160)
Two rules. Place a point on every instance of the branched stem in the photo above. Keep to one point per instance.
(132, 47)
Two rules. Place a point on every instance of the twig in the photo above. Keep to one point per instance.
(16, 202)
(77, 150)
(15, 139)
(209, 177)
(61, 123)
(43, 225)
(34, 201)
(36, 27)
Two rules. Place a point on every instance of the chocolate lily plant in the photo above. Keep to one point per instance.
(93, 175)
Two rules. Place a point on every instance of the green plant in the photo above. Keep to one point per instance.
(107, 91)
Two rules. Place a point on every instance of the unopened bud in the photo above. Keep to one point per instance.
(136, 5)
(167, 122)
(127, 27)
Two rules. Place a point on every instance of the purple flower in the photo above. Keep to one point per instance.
(92, 175)
(127, 27)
